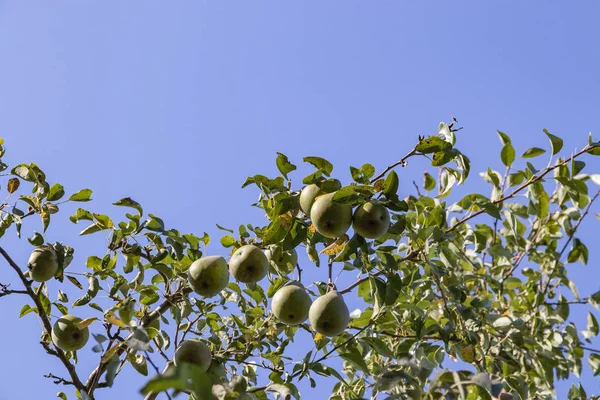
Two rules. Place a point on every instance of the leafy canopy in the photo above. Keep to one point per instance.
(479, 280)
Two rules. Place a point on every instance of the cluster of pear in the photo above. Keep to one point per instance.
(371, 219)
(208, 276)
(291, 304)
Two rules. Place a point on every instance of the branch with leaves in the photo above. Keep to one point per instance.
(426, 289)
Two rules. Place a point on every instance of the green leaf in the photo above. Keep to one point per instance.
(138, 362)
(224, 229)
(81, 215)
(392, 289)
(592, 327)
(46, 305)
(74, 281)
(504, 138)
(37, 239)
(275, 286)
(513, 283)
(357, 359)
(129, 202)
(443, 157)
(555, 141)
(57, 191)
(363, 174)
(26, 310)
(93, 287)
(82, 195)
(283, 390)
(184, 377)
(320, 163)
(476, 392)
(432, 144)
(348, 195)
(577, 392)
(533, 152)
(428, 182)
(379, 346)
(93, 228)
(228, 241)
(284, 165)
(594, 362)
(390, 186)
(507, 155)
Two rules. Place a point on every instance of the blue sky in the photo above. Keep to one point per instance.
(175, 103)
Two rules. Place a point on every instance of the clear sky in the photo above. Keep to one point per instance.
(174, 103)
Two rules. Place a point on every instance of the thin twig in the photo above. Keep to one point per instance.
(254, 364)
(299, 272)
(402, 162)
(417, 187)
(189, 327)
(558, 303)
(589, 349)
(5, 291)
(361, 330)
(58, 380)
(160, 351)
(157, 371)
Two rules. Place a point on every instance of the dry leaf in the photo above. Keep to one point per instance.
(13, 185)
(110, 317)
(336, 246)
(110, 353)
(85, 323)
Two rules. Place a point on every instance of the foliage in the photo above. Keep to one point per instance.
(477, 280)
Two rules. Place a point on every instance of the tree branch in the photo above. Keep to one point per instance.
(408, 257)
(58, 380)
(402, 162)
(5, 291)
(586, 212)
(529, 182)
(579, 221)
(45, 321)
(169, 300)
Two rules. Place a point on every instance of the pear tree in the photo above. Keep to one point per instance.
(460, 295)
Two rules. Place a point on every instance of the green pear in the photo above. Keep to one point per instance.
(249, 264)
(66, 334)
(310, 193)
(193, 352)
(330, 219)
(329, 314)
(291, 304)
(42, 264)
(208, 275)
(285, 261)
(371, 220)
(217, 372)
